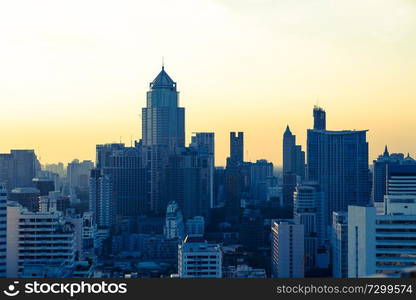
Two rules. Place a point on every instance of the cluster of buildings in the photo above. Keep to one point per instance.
(161, 208)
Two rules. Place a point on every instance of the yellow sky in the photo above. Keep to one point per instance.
(74, 73)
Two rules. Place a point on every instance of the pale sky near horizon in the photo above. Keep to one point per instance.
(74, 74)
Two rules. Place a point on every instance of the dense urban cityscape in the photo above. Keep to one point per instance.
(161, 209)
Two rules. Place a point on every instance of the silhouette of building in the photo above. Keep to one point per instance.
(125, 168)
(319, 118)
(78, 173)
(204, 144)
(237, 147)
(163, 132)
(293, 166)
(18, 168)
(380, 166)
(338, 161)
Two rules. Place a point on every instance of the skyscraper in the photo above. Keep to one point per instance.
(163, 121)
(382, 244)
(338, 161)
(309, 210)
(101, 199)
(289, 142)
(163, 133)
(18, 168)
(319, 118)
(234, 176)
(188, 182)
(125, 168)
(339, 244)
(34, 241)
(293, 166)
(174, 225)
(287, 249)
(204, 144)
(198, 259)
(380, 166)
(237, 147)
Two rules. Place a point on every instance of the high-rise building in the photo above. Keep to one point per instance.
(27, 197)
(287, 249)
(3, 229)
(204, 144)
(309, 210)
(125, 168)
(199, 259)
(382, 244)
(289, 143)
(163, 121)
(251, 235)
(237, 147)
(174, 225)
(101, 199)
(261, 179)
(401, 179)
(85, 232)
(163, 133)
(188, 182)
(338, 161)
(339, 244)
(380, 172)
(38, 239)
(78, 173)
(319, 118)
(44, 185)
(18, 168)
(293, 166)
(195, 226)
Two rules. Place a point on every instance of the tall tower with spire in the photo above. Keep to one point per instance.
(319, 118)
(163, 134)
(163, 121)
(289, 142)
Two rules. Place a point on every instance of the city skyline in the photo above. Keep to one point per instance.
(81, 78)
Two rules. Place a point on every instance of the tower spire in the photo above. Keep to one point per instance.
(163, 62)
(386, 151)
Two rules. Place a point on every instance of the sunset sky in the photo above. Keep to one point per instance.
(74, 74)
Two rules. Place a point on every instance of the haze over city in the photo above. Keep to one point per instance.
(75, 74)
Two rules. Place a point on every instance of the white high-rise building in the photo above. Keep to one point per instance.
(339, 243)
(3, 229)
(174, 227)
(101, 199)
(382, 244)
(287, 249)
(198, 259)
(38, 239)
